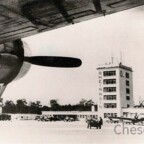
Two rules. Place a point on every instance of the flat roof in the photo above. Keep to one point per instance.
(108, 66)
(70, 112)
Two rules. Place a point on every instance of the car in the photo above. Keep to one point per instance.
(70, 119)
(94, 123)
(54, 118)
(42, 118)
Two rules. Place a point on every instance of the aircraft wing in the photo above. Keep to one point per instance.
(127, 119)
(121, 118)
(139, 120)
(22, 18)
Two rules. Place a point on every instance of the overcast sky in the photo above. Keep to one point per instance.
(94, 42)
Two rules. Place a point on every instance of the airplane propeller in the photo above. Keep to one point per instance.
(15, 62)
(54, 61)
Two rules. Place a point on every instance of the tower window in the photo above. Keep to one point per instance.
(127, 97)
(110, 105)
(127, 83)
(109, 89)
(127, 75)
(109, 73)
(110, 115)
(109, 97)
(127, 90)
(128, 105)
(109, 81)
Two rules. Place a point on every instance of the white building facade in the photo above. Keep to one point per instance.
(81, 115)
(115, 89)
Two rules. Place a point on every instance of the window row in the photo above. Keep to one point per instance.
(109, 73)
(110, 105)
(110, 115)
(113, 89)
(113, 73)
(109, 97)
(109, 89)
(109, 81)
(113, 81)
(113, 97)
(86, 116)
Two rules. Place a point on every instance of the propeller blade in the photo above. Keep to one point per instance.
(23, 71)
(52, 61)
(2, 88)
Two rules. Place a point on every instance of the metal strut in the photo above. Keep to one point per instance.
(63, 11)
(98, 7)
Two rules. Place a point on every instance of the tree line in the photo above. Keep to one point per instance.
(22, 106)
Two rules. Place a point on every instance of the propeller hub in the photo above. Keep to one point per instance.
(11, 60)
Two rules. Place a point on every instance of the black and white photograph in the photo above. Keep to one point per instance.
(71, 71)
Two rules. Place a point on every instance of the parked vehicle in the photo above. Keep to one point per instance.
(4, 117)
(55, 118)
(70, 119)
(42, 118)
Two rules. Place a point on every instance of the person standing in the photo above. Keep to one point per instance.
(89, 120)
(100, 123)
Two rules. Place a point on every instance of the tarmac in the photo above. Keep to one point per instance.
(34, 132)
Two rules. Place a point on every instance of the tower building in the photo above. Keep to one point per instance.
(115, 89)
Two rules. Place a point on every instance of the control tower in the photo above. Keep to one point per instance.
(115, 89)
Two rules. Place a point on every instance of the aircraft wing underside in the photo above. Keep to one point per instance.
(22, 18)
(122, 118)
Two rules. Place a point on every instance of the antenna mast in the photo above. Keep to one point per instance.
(112, 58)
(121, 60)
